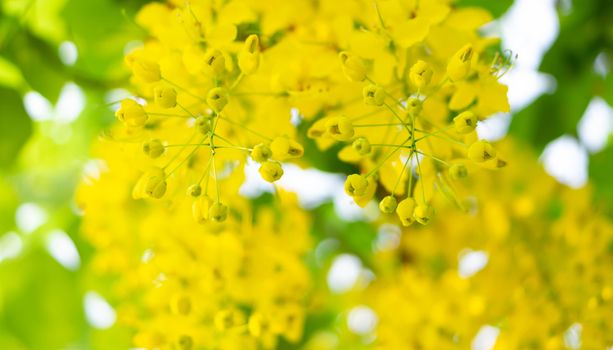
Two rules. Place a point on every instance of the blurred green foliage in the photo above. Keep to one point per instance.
(585, 33)
(41, 302)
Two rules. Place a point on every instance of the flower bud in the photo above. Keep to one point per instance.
(155, 183)
(218, 212)
(180, 304)
(481, 151)
(458, 171)
(340, 128)
(226, 319)
(184, 342)
(153, 148)
(356, 185)
(465, 122)
(423, 213)
(414, 106)
(261, 153)
(404, 210)
(131, 113)
(353, 66)
(146, 70)
(148, 340)
(258, 324)
(164, 96)
(194, 190)
(217, 99)
(284, 148)
(249, 57)
(200, 209)
(203, 125)
(388, 204)
(421, 74)
(362, 146)
(271, 171)
(214, 61)
(374, 95)
(459, 64)
(318, 129)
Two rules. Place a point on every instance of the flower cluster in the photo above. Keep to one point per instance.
(180, 285)
(533, 263)
(394, 88)
(420, 80)
(205, 103)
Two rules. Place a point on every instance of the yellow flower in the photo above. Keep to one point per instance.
(465, 122)
(283, 148)
(165, 97)
(405, 210)
(481, 151)
(421, 74)
(353, 66)
(459, 65)
(249, 57)
(271, 171)
(356, 185)
(340, 128)
(388, 204)
(131, 113)
(373, 95)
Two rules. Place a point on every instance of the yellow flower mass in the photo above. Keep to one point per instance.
(395, 89)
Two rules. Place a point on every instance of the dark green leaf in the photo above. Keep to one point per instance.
(495, 7)
(15, 126)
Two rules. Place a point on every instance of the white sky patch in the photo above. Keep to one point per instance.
(296, 117)
(471, 261)
(29, 217)
(62, 248)
(362, 320)
(312, 186)
(37, 106)
(485, 339)
(344, 273)
(148, 254)
(68, 53)
(131, 46)
(572, 336)
(388, 237)
(70, 104)
(93, 169)
(113, 97)
(495, 127)
(526, 85)
(596, 125)
(566, 160)
(528, 29)
(11, 246)
(602, 64)
(98, 312)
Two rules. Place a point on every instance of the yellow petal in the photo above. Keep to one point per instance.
(411, 32)
(464, 95)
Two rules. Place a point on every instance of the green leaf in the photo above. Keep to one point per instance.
(584, 33)
(100, 30)
(38, 62)
(40, 301)
(601, 169)
(15, 126)
(495, 7)
(553, 115)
